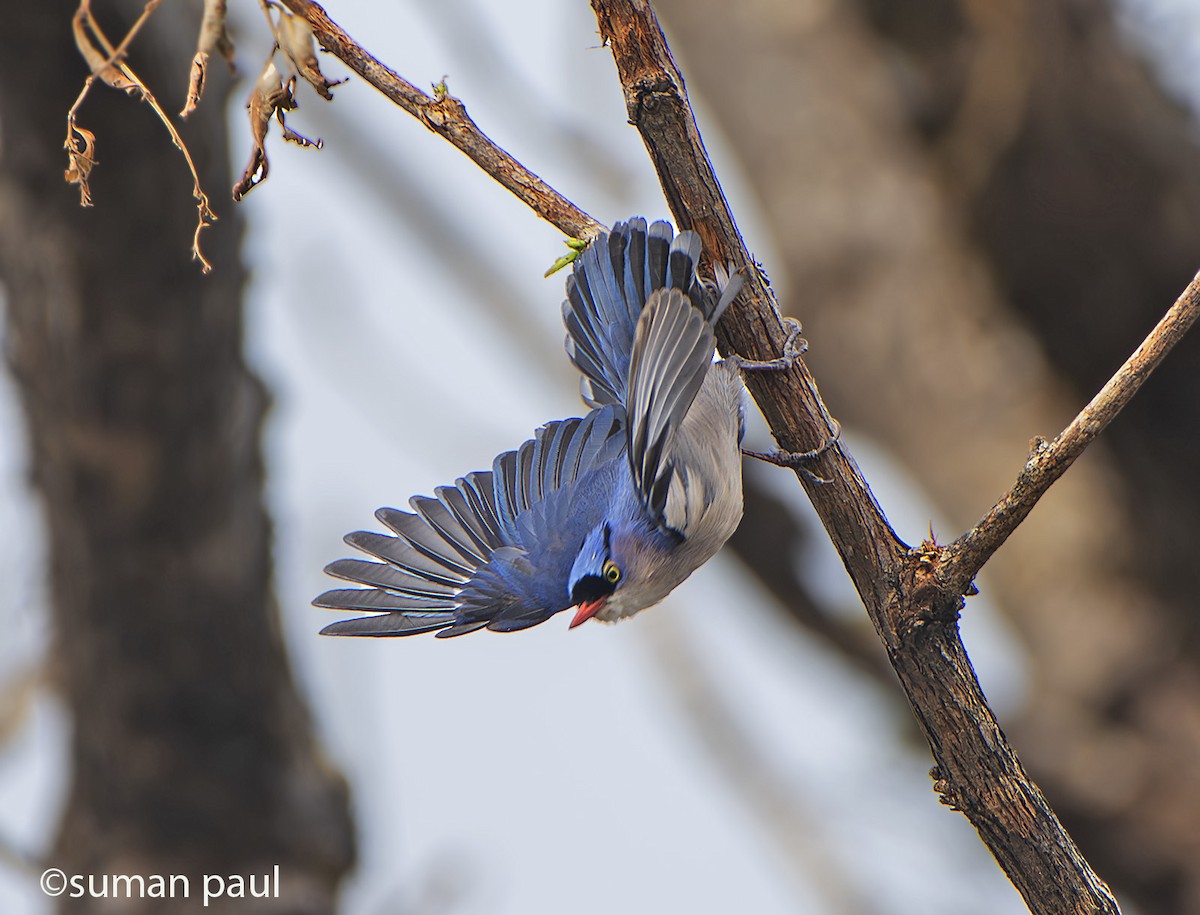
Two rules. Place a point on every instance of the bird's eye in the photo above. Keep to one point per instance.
(612, 574)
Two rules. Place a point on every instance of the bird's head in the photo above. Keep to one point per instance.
(596, 575)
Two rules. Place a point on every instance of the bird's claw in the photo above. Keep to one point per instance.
(796, 460)
(794, 347)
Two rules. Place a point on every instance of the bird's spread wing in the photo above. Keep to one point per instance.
(611, 282)
(672, 351)
(461, 560)
(490, 550)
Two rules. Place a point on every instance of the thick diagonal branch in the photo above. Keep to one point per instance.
(977, 770)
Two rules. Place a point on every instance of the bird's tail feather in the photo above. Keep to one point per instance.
(609, 288)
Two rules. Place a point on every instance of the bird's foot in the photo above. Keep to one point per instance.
(794, 347)
(797, 460)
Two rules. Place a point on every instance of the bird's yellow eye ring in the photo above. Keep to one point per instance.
(612, 574)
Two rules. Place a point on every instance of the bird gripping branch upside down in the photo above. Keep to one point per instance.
(606, 514)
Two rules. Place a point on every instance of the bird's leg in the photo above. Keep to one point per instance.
(797, 459)
(793, 348)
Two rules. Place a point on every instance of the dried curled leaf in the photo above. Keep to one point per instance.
(81, 159)
(296, 41)
(271, 97)
(214, 37)
(195, 83)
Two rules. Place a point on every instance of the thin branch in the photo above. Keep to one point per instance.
(447, 117)
(1050, 460)
(118, 53)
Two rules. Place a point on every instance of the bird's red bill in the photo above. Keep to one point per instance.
(586, 611)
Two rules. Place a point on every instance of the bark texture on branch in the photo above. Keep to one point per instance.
(191, 750)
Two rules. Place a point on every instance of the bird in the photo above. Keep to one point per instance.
(605, 513)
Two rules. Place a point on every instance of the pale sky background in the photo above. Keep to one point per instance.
(546, 771)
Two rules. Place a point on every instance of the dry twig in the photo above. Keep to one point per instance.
(108, 65)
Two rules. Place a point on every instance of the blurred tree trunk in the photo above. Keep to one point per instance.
(192, 752)
(981, 207)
